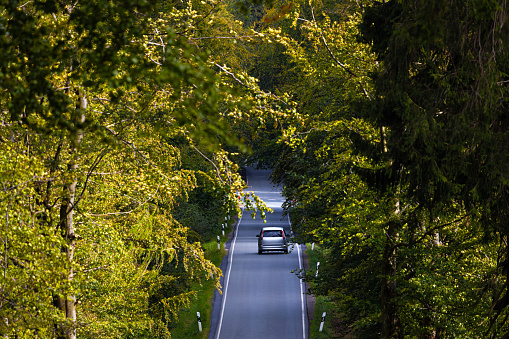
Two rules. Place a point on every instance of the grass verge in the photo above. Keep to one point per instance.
(322, 304)
(187, 324)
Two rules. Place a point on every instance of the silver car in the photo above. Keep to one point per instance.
(272, 239)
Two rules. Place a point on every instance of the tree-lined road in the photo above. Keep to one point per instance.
(262, 298)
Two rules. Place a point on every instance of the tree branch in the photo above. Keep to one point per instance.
(328, 48)
(218, 172)
(247, 86)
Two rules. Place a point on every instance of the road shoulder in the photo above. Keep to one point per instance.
(310, 298)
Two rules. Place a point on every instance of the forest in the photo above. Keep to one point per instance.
(125, 124)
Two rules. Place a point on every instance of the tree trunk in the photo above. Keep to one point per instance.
(390, 319)
(67, 304)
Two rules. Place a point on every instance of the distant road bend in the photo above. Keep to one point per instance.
(261, 298)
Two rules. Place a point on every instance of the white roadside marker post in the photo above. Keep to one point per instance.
(317, 266)
(199, 321)
(218, 243)
(323, 320)
(312, 246)
(222, 226)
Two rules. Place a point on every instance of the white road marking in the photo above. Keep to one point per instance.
(302, 289)
(227, 277)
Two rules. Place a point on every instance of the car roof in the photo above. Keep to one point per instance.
(272, 228)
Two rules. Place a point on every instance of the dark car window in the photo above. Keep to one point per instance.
(272, 234)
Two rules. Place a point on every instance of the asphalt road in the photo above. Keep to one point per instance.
(261, 298)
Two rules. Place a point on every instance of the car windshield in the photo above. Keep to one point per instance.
(272, 234)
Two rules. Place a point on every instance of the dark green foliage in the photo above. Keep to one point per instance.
(441, 100)
(350, 277)
(378, 24)
(202, 213)
(265, 147)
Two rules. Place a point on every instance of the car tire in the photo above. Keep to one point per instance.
(286, 250)
(259, 251)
